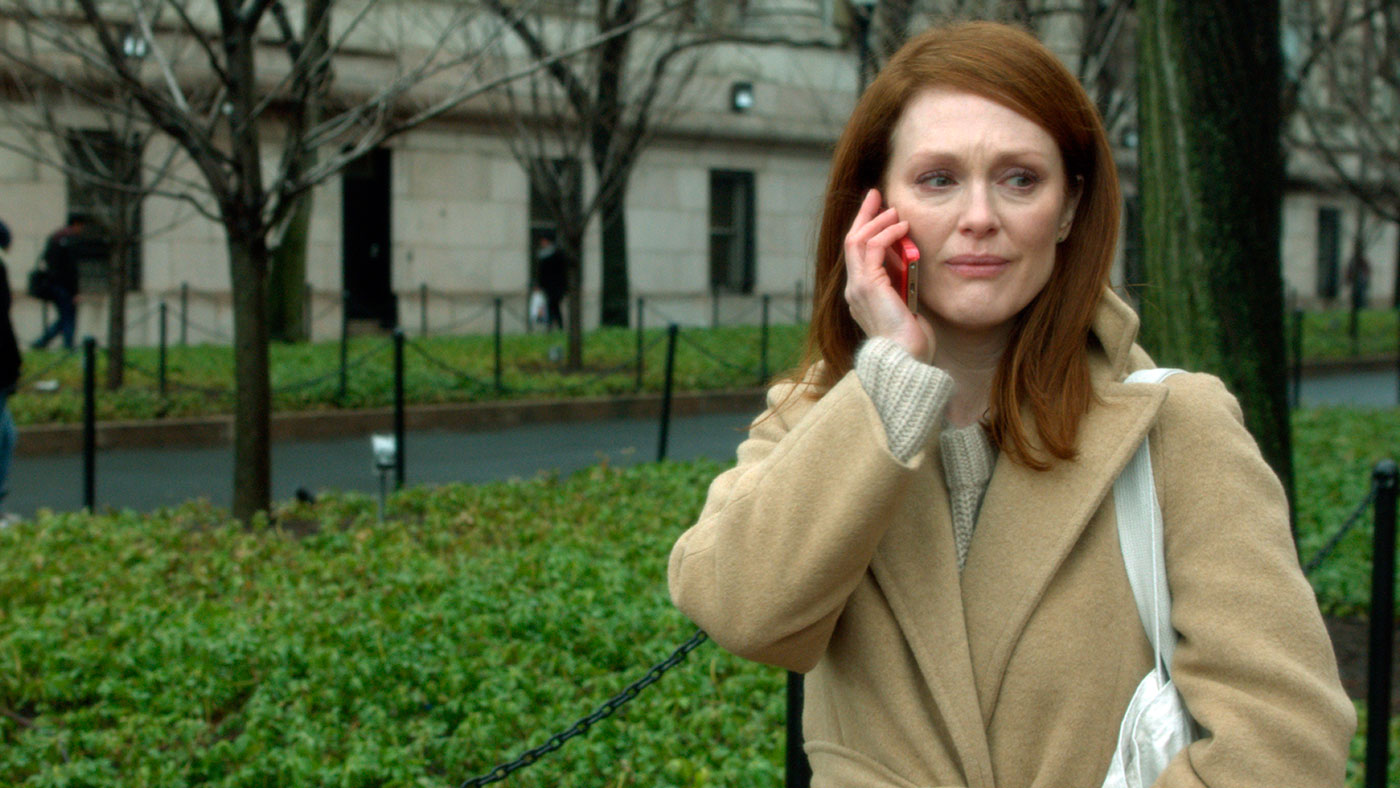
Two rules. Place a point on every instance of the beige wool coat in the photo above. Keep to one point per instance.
(821, 553)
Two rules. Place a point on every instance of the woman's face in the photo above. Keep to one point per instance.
(986, 195)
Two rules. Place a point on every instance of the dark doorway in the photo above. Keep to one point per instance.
(365, 201)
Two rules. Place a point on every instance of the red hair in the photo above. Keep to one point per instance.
(1044, 372)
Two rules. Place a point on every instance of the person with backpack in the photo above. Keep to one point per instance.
(10, 362)
(60, 258)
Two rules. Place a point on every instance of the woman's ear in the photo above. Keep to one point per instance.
(1076, 190)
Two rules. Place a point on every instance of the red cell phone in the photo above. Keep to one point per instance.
(905, 272)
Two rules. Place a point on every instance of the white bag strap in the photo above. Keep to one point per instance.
(1140, 534)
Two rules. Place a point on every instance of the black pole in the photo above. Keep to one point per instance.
(307, 304)
(398, 409)
(671, 332)
(1397, 355)
(423, 307)
(797, 305)
(799, 772)
(160, 375)
(1386, 478)
(89, 423)
(714, 308)
(497, 307)
(763, 344)
(184, 314)
(641, 307)
(1297, 356)
(344, 340)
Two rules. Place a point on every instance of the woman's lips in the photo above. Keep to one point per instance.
(977, 266)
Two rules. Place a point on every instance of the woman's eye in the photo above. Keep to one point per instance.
(938, 180)
(1022, 179)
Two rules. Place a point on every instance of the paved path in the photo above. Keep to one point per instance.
(145, 479)
(1374, 388)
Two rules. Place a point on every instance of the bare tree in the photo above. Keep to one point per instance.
(221, 86)
(1342, 90)
(90, 131)
(604, 107)
(1095, 35)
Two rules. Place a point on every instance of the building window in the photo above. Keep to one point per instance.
(104, 184)
(1329, 251)
(556, 190)
(731, 231)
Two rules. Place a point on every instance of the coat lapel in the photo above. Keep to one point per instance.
(916, 568)
(1030, 521)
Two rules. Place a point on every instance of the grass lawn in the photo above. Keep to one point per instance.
(462, 369)
(327, 649)
(436, 369)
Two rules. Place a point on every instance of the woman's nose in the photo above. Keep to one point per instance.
(978, 214)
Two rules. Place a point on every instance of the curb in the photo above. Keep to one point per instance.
(466, 417)
(1358, 364)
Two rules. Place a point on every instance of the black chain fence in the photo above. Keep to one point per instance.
(529, 757)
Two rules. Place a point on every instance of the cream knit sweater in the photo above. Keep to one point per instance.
(911, 397)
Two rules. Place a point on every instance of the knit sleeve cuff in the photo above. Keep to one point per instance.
(909, 395)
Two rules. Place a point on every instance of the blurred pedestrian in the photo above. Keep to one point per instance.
(9, 375)
(553, 278)
(61, 258)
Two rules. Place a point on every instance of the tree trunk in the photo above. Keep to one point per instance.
(252, 408)
(286, 293)
(1211, 180)
(615, 296)
(118, 263)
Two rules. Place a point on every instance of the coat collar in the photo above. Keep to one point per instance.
(1028, 524)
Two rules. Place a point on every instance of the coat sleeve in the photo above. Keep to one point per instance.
(1253, 662)
(785, 535)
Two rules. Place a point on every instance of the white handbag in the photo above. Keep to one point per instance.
(1156, 725)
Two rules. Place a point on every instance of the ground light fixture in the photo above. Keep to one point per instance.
(386, 454)
(741, 97)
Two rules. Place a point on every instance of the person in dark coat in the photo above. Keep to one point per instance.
(9, 374)
(553, 278)
(61, 253)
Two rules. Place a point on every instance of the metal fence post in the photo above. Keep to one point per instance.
(497, 307)
(1386, 478)
(184, 314)
(160, 369)
(307, 305)
(763, 344)
(797, 304)
(89, 423)
(1297, 356)
(798, 770)
(671, 332)
(423, 308)
(714, 307)
(398, 410)
(641, 312)
(344, 341)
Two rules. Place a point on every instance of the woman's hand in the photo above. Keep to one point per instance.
(876, 307)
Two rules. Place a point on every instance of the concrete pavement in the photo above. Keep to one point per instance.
(148, 478)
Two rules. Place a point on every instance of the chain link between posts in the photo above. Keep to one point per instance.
(532, 756)
(1321, 555)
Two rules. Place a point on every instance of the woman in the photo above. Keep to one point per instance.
(920, 521)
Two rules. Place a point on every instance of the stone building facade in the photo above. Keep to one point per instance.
(722, 210)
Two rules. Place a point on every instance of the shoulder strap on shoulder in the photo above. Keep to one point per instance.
(1140, 535)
